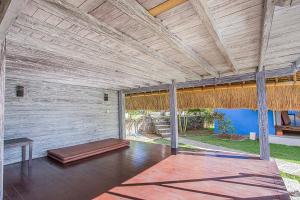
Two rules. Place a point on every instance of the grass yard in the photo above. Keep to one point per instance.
(290, 176)
(284, 152)
(167, 142)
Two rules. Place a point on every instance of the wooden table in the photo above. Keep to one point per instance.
(21, 142)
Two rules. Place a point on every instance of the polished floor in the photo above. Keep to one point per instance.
(202, 175)
(147, 171)
(48, 180)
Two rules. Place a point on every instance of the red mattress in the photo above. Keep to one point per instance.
(77, 152)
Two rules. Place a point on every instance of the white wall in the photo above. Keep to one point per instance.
(56, 115)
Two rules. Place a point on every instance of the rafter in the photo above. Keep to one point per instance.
(287, 3)
(269, 6)
(283, 3)
(163, 7)
(9, 11)
(133, 9)
(202, 10)
(73, 13)
(288, 71)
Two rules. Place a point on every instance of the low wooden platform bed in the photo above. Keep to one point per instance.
(77, 152)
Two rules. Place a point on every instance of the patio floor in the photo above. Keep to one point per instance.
(147, 171)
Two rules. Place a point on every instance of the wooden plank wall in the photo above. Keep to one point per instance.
(2, 89)
(56, 115)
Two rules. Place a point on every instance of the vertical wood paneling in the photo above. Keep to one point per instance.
(173, 115)
(56, 115)
(262, 116)
(2, 86)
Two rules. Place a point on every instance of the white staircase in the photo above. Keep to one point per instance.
(162, 127)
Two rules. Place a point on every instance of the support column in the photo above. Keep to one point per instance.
(121, 114)
(173, 117)
(262, 116)
(2, 90)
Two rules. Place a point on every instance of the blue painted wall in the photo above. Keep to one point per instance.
(245, 120)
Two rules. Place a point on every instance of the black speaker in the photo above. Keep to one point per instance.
(105, 97)
(20, 91)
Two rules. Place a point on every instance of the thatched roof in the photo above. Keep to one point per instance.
(282, 94)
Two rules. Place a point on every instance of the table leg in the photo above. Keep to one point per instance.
(30, 154)
(23, 152)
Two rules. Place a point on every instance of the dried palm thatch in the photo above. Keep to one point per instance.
(279, 97)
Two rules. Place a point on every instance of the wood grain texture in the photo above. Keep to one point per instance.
(288, 71)
(138, 13)
(240, 24)
(167, 5)
(121, 114)
(73, 14)
(56, 115)
(84, 180)
(9, 11)
(184, 23)
(284, 39)
(173, 115)
(262, 116)
(269, 7)
(2, 97)
(202, 9)
(97, 44)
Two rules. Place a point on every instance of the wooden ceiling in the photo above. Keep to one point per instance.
(118, 44)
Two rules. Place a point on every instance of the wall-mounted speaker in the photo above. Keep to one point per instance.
(20, 91)
(105, 97)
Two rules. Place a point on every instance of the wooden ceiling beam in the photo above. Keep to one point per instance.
(133, 9)
(201, 8)
(73, 13)
(283, 3)
(288, 71)
(217, 87)
(100, 52)
(89, 59)
(267, 19)
(287, 3)
(9, 11)
(165, 6)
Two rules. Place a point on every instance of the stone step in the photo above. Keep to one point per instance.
(162, 126)
(165, 135)
(163, 130)
(162, 123)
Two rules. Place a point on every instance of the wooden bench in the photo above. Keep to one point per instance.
(73, 153)
(21, 142)
(280, 129)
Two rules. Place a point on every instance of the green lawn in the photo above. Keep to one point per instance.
(290, 176)
(284, 152)
(288, 153)
(167, 142)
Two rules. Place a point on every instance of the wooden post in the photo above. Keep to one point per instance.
(2, 90)
(262, 116)
(121, 114)
(173, 117)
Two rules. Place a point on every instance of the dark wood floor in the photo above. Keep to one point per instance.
(85, 180)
